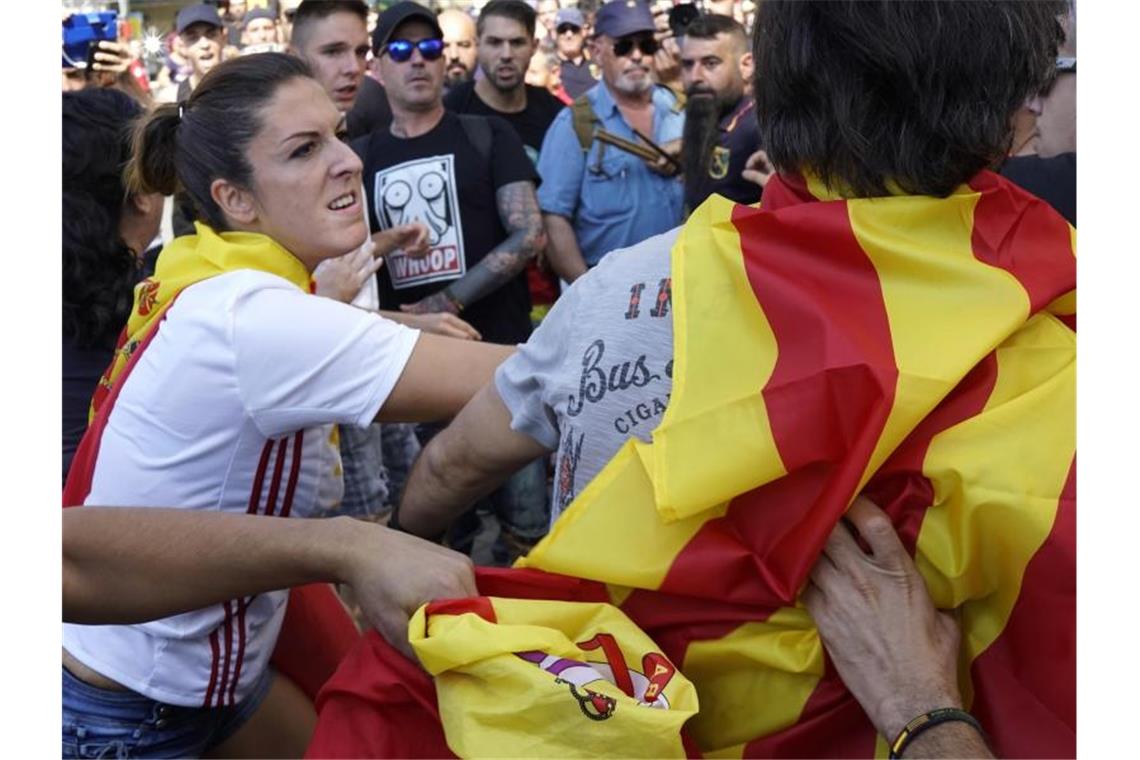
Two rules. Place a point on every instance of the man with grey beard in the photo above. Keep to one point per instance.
(721, 131)
(596, 198)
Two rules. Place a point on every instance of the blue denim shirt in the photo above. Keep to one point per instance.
(615, 202)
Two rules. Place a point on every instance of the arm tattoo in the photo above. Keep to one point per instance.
(526, 237)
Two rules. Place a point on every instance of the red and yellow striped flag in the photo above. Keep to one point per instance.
(919, 349)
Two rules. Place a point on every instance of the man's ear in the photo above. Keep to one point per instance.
(377, 70)
(747, 67)
(235, 202)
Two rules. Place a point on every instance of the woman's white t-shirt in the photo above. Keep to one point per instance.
(224, 411)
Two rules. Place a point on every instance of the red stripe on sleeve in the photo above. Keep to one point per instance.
(259, 478)
(213, 668)
(242, 606)
(278, 474)
(225, 671)
(294, 472)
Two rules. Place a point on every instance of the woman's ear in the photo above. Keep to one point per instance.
(235, 202)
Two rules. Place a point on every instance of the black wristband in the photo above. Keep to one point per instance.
(929, 720)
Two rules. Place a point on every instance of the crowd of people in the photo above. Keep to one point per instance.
(406, 272)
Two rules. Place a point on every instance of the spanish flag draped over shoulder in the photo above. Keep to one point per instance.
(317, 631)
(917, 349)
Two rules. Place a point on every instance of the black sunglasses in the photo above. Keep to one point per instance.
(401, 50)
(567, 29)
(646, 43)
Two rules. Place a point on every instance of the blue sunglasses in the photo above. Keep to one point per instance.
(401, 50)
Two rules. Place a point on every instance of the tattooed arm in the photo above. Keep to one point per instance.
(519, 213)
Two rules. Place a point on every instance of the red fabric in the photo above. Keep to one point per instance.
(315, 637)
(1038, 705)
(380, 704)
(543, 287)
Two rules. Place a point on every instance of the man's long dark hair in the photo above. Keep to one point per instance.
(99, 270)
(865, 92)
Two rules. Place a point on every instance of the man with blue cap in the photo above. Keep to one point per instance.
(570, 41)
(596, 198)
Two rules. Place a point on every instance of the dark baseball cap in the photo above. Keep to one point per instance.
(396, 15)
(571, 16)
(197, 14)
(257, 13)
(618, 18)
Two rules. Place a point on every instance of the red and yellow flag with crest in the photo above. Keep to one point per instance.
(916, 349)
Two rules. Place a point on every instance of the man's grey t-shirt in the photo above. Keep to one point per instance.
(600, 367)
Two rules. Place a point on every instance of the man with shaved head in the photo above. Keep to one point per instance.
(721, 131)
(458, 46)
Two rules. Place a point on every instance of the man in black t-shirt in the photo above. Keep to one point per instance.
(505, 45)
(468, 179)
(721, 130)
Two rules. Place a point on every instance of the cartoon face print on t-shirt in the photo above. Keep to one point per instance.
(422, 191)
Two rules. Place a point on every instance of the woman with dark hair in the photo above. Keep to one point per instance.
(220, 397)
(105, 231)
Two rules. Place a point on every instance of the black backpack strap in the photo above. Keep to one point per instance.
(478, 131)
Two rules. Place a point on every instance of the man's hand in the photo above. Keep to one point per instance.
(758, 168)
(436, 303)
(412, 239)
(341, 278)
(393, 573)
(895, 652)
(445, 324)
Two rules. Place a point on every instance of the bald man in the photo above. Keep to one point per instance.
(458, 46)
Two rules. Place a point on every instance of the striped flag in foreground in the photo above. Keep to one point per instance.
(917, 349)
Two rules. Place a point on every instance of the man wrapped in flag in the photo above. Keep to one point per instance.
(895, 320)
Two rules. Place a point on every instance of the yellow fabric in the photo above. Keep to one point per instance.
(741, 674)
(493, 703)
(190, 259)
(997, 478)
(947, 311)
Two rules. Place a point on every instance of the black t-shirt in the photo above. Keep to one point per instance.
(577, 79)
(739, 138)
(1053, 180)
(530, 123)
(370, 111)
(441, 179)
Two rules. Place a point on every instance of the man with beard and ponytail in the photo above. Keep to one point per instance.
(721, 130)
